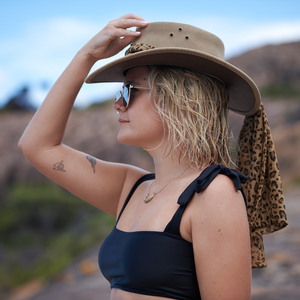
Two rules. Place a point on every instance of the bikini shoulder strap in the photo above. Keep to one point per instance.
(200, 184)
(146, 177)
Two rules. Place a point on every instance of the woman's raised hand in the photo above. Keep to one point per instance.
(114, 37)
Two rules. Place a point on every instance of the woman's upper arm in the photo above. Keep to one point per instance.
(98, 182)
(221, 241)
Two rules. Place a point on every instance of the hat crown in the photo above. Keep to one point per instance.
(178, 35)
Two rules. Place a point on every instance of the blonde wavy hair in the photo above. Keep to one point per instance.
(194, 109)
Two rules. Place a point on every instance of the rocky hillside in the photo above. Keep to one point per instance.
(272, 64)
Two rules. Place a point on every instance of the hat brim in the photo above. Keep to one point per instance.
(244, 96)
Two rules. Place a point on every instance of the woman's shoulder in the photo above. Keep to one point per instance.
(221, 184)
(218, 201)
(220, 195)
(220, 204)
(221, 187)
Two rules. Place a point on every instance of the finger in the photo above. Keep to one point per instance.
(125, 33)
(127, 23)
(119, 30)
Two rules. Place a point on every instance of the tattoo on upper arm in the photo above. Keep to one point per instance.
(59, 166)
(92, 160)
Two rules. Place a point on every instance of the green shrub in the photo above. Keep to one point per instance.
(43, 228)
(281, 91)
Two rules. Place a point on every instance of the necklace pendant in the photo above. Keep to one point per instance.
(148, 198)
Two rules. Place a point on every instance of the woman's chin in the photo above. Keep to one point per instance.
(139, 140)
(127, 140)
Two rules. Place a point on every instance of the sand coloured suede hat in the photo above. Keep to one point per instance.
(186, 46)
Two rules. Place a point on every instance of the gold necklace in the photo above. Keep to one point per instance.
(148, 198)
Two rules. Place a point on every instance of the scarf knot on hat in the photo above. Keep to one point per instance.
(136, 47)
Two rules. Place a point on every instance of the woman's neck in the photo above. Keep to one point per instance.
(168, 164)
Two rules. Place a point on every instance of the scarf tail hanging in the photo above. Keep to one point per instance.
(263, 189)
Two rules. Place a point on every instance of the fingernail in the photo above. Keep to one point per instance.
(144, 23)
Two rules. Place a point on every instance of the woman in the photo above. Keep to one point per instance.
(160, 248)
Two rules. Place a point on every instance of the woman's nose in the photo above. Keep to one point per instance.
(118, 105)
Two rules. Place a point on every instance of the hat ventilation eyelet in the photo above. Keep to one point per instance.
(171, 34)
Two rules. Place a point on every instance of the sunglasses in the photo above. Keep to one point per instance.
(128, 90)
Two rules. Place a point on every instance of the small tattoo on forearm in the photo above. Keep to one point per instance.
(59, 166)
(92, 160)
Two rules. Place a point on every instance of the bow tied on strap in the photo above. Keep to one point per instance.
(206, 177)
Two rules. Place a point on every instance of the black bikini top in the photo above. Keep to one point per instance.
(158, 263)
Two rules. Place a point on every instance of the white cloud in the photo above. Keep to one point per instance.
(43, 47)
(40, 52)
(250, 36)
(274, 33)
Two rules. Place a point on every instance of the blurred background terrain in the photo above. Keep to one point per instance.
(49, 239)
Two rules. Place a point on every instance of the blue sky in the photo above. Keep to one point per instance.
(39, 38)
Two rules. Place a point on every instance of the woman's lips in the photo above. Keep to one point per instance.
(122, 121)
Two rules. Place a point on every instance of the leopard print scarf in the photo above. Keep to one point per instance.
(265, 203)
